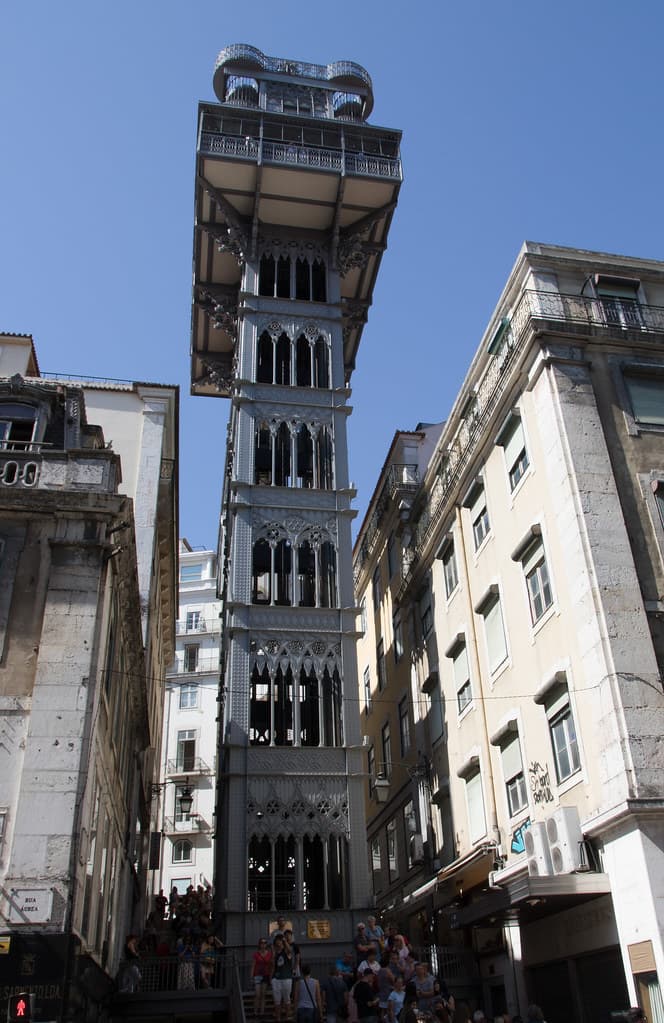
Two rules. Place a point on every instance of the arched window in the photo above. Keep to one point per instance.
(266, 276)
(285, 887)
(318, 281)
(282, 571)
(263, 457)
(265, 359)
(324, 458)
(321, 364)
(282, 456)
(260, 725)
(305, 458)
(302, 280)
(332, 715)
(309, 709)
(328, 575)
(261, 591)
(302, 362)
(182, 851)
(283, 374)
(260, 875)
(313, 873)
(306, 575)
(283, 707)
(283, 277)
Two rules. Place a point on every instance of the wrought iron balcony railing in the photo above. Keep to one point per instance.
(201, 625)
(188, 766)
(400, 479)
(193, 825)
(199, 665)
(536, 312)
(300, 155)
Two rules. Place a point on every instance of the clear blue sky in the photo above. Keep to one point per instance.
(520, 120)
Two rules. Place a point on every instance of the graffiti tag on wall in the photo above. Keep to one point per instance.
(540, 783)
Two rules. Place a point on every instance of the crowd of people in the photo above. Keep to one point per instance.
(378, 981)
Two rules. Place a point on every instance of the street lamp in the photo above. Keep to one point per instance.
(186, 799)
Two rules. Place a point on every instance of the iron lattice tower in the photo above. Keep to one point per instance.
(294, 197)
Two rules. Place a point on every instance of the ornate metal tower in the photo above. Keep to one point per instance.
(294, 197)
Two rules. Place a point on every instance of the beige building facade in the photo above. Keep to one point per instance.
(532, 580)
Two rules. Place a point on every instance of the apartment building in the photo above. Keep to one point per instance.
(532, 562)
(190, 728)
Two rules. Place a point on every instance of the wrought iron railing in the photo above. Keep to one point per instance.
(183, 627)
(188, 765)
(535, 311)
(400, 478)
(170, 973)
(296, 154)
(327, 72)
(199, 665)
(194, 825)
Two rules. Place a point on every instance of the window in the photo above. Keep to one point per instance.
(392, 559)
(186, 750)
(436, 720)
(410, 832)
(494, 628)
(17, 426)
(376, 864)
(537, 580)
(182, 851)
(565, 745)
(386, 746)
(371, 768)
(363, 615)
(193, 621)
(397, 630)
(554, 697)
(190, 573)
(375, 585)
(188, 696)
(404, 726)
(392, 863)
(450, 569)
(619, 301)
(512, 439)
(461, 672)
(380, 666)
(479, 514)
(646, 395)
(515, 782)
(426, 614)
(475, 804)
(3, 825)
(191, 656)
(367, 689)
(530, 553)
(180, 791)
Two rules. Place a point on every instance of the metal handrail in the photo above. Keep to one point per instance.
(188, 765)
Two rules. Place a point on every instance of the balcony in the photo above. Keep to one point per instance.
(29, 465)
(400, 479)
(200, 627)
(204, 663)
(194, 825)
(537, 312)
(186, 767)
(298, 154)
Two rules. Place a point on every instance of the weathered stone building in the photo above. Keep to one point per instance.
(529, 595)
(88, 555)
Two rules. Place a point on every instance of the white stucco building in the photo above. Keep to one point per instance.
(191, 709)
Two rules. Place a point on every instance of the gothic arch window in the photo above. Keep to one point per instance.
(282, 456)
(306, 574)
(265, 359)
(318, 281)
(309, 709)
(282, 572)
(260, 727)
(332, 708)
(328, 575)
(260, 875)
(303, 357)
(324, 459)
(283, 277)
(302, 280)
(285, 858)
(266, 276)
(305, 458)
(261, 590)
(321, 364)
(263, 456)
(283, 360)
(289, 873)
(282, 694)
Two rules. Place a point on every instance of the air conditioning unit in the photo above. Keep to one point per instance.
(537, 850)
(563, 830)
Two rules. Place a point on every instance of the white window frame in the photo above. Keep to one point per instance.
(564, 716)
(554, 696)
(476, 504)
(462, 682)
(187, 690)
(367, 688)
(450, 569)
(404, 726)
(386, 749)
(397, 632)
(475, 791)
(191, 573)
(381, 667)
(491, 611)
(512, 439)
(392, 851)
(193, 621)
(180, 843)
